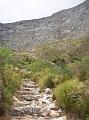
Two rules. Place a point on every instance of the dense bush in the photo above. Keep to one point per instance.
(45, 79)
(10, 80)
(71, 95)
(46, 73)
(80, 69)
(38, 65)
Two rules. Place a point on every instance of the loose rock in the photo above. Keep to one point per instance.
(54, 114)
(45, 111)
(29, 98)
(48, 91)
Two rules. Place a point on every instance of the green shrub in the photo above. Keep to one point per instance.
(38, 65)
(27, 74)
(84, 69)
(71, 96)
(87, 117)
(5, 56)
(45, 79)
(10, 83)
(12, 77)
(81, 68)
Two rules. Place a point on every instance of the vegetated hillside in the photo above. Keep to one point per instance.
(60, 49)
(68, 81)
(67, 24)
(83, 49)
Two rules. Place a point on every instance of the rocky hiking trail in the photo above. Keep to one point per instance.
(31, 104)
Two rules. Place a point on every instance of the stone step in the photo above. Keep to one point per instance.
(37, 105)
(22, 103)
(23, 92)
(25, 110)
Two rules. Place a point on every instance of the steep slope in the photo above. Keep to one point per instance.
(66, 24)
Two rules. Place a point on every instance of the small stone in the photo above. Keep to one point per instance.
(45, 111)
(26, 89)
(29, 98)
(54, 114)
(41, 118)
(52, 106)
(60, 118)
(30, 84)
(60, 112)
(48, 91)
(17, 112)
(16, 99)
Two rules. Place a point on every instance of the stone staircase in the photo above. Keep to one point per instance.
(32, 104)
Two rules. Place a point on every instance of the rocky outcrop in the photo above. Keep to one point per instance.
(24, 35)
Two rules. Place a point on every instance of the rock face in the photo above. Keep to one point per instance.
(24, 35)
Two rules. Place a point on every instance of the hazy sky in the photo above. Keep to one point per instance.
(15, 10)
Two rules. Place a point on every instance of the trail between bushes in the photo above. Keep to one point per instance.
(31, 104)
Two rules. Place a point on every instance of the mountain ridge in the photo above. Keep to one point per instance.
(71, 23)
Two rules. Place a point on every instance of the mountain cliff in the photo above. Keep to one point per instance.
(71, 23)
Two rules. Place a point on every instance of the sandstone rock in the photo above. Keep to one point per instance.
(60, 118)
(45, 111)
(22, 103)
(29, 85)
(35, 104)
(16, 99)
(60, 112)
(52, 106)
(41, 118)
(54, 114)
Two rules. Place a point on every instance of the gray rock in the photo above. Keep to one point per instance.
(45, 111)
(29, 98)
(26, 110)
(17, 112)
(48, 91)
(52, 106)
(44, 101)
(26, 89)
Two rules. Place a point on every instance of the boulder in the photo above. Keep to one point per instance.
(26, 110)
(45, 111)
